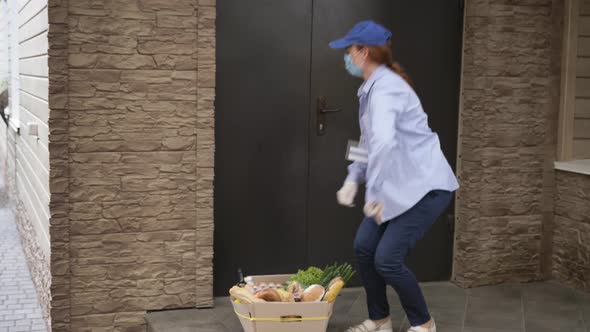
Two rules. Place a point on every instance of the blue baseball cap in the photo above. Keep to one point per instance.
(363, 33)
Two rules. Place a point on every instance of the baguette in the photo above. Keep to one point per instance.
(244, 295)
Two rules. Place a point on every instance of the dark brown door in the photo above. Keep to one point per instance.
(261, 127)
(276, 178)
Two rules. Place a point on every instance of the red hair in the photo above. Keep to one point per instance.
(383, 55)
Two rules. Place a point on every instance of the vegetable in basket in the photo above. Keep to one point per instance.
(308, 277)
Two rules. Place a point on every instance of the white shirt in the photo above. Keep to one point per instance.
(405, 158)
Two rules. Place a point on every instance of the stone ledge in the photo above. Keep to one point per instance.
(574, 166)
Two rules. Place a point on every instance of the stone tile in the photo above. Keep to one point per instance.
(181, 320)
(494, 320)
(585, 308)
(539, 309)
(232, 324)
(549, 292)
(19, 306)
(483, 329)
(346, 299)
(584, 303)
(443, 327)
(447, 316)
(505, 291)
(554, 325)
(583, 297)
(224, 313)
(553, 316)
(223, 309)
(218, 327)
(499, 314)
(476, 304)
(444, 295)
(359, 306)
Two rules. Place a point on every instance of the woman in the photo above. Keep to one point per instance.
(409, 183)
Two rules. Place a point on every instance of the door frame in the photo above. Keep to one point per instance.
(458, 141)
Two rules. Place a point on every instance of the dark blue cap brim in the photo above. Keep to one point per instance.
(341, 43)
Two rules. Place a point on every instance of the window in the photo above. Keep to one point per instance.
(4, 56)
(14, 86)
(9, 71)
(574, 117)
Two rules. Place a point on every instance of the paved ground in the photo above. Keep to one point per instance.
(19, 308)
(539, 307)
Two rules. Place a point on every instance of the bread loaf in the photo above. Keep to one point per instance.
(286, 296)
(313, 293)
(243, 295)
(268, 295)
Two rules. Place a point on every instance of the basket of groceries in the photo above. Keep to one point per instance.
(289, 303)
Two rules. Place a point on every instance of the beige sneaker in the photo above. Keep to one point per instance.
(423, 329)
(370, 326)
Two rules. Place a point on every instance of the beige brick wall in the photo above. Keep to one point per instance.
(205, 149)
(571, 255)
(509, 109)
(59, 165)
(132, 159)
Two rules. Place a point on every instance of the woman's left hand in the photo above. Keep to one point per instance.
(374, 210)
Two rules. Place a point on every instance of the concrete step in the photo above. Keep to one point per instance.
(220, 319)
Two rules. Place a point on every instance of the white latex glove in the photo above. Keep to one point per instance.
(347, 193)
(374, 210)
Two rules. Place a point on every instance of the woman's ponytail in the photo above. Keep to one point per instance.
(382, 54)
(396, 67)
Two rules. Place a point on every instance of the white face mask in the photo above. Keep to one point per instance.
(351, 67)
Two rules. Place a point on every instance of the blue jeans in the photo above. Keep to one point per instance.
(381, 251)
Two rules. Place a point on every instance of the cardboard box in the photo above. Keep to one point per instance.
(282, 316)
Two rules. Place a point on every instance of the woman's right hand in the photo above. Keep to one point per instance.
(347, 193)
(374, 210)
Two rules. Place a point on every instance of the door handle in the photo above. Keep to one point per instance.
(321, 115)
(330, 110)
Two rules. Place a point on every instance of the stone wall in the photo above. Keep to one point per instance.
(571, 255)
(507, 140)
(206, 46)
(59, 164)
(132, 89)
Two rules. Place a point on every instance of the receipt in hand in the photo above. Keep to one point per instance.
(356, 153)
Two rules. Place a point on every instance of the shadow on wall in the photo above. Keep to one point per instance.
(3, 192)
(4, 198)
(3, 104)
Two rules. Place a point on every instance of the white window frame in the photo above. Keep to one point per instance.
(565, 138)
